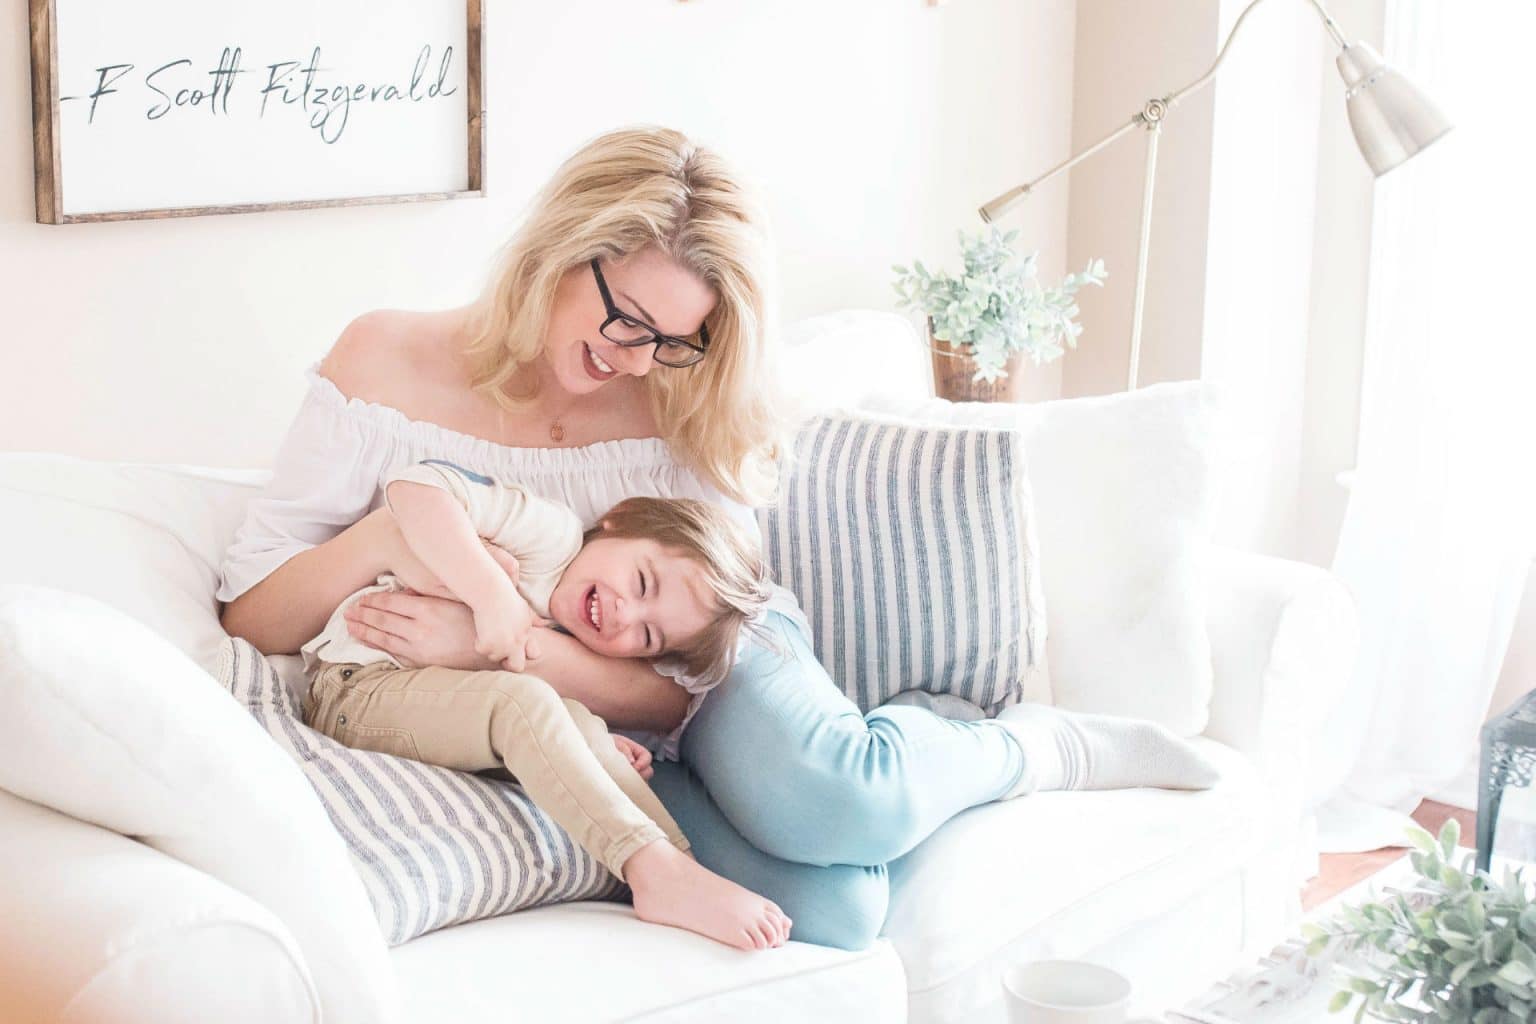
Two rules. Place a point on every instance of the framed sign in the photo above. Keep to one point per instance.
(177, 108)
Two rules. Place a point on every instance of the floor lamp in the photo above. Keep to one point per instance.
(1391, 119)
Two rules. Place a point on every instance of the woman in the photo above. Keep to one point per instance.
(621, 350)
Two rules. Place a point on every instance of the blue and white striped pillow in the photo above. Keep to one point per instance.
(911, 549)
(434, 847)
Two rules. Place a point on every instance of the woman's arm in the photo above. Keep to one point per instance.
(290, 607)
(625, 693)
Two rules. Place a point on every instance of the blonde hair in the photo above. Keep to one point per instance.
(620, 193)
(732, 564)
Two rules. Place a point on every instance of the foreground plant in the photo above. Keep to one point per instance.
(1458, 947)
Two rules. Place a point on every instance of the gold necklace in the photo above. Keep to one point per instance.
(556, 428)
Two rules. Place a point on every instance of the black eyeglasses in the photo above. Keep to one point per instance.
(629, 332)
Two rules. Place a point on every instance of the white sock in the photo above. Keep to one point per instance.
(1069, 750)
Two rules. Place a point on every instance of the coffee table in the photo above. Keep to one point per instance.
(1287, 986)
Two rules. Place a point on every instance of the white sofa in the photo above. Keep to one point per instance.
(1170, 888)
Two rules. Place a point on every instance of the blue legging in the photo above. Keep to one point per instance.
(796, 795)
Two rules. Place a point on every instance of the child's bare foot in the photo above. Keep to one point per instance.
(672, 888)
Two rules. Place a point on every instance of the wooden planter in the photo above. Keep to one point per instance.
(953, 372)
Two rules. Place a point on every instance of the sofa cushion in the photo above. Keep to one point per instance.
(854, 359)
(434, 847)
(104, 721)
(1122, 514)
(146, 540)
(1058, 874)
(598, 962)
(911, 549)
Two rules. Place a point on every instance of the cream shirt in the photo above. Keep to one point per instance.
(544, 537)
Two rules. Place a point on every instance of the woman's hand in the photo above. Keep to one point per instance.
(416, 630)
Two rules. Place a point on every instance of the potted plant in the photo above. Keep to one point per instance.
(1459, 946)
(983, 322)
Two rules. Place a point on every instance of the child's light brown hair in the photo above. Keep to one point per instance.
(731, 559)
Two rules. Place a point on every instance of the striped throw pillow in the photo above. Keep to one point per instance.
(434, 847)
(911, 549)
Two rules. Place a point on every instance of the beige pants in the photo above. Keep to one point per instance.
(560, 752)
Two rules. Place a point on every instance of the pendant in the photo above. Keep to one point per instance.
(556, 432)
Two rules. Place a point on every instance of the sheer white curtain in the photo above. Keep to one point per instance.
(1439, 531)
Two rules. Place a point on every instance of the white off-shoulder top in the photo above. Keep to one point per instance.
(331, 468)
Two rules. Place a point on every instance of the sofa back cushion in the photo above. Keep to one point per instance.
(1121, 486)
(146, 540)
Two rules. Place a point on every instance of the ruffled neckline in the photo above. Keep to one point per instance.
(629, 451)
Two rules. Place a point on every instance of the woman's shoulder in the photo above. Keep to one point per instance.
(393, 356)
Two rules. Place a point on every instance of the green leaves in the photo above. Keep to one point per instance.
(996, 306)
(1457, 947)
(1450, 832)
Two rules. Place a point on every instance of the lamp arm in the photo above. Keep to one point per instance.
(1221, 55)
(1328, 23)
(1002, 203)
(1331, 25)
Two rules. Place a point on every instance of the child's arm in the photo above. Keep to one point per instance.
(438, 530)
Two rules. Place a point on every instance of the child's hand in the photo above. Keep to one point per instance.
(533, 648)
(638, 756)
(501, 630)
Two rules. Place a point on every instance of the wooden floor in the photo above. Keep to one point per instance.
(1341, 870)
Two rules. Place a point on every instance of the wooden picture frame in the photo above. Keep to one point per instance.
(47, 132)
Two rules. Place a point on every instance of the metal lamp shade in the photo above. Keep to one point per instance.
(1392, 120)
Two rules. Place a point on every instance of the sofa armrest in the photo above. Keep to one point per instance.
(127, 733)
(1283, 641)
(99, 927)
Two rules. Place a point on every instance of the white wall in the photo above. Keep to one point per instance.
(1127, 52)
(875, 126)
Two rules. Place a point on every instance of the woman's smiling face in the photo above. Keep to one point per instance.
(646, 285)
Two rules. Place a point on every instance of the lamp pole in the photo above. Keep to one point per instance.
(1390, 118)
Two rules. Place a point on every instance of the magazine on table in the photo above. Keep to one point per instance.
(1287, 986)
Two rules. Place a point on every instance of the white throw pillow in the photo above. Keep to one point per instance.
(434, 847)
(1121, 496)
(911, 549)
(854, 358)
(104, 721)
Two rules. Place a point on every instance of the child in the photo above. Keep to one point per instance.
(656, 577)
